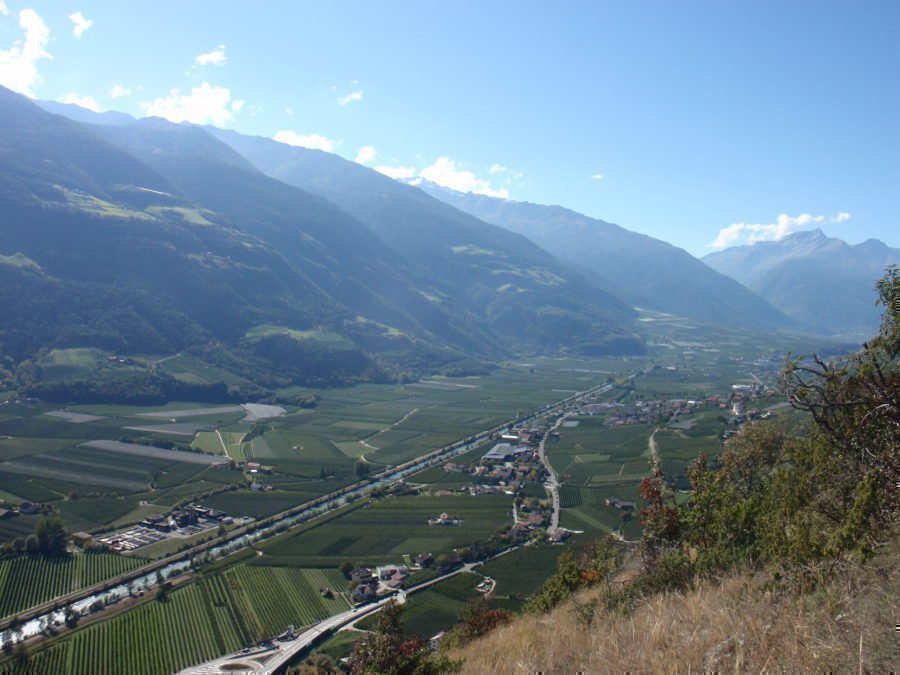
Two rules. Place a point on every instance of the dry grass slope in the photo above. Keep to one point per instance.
(735, 626)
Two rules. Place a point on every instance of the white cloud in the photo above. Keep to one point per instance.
(4, 10)
(841, 217)
(597, 176)
(397, 172)
(83, 101)
(289, 110)
(216, 57)
(444, 172)
(312, 141)
(237, 105)
(366, 154)
(497, 168)
(350, 98)
(118, 91)
(80, 24)
(783, 226)
(18, 64)
(204, 105)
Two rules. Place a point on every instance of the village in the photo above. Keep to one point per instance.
(737, 407)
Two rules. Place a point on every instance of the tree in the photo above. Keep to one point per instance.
(362, 469)
(479, 618)
(852, 450)
(51, 535)
(594, 563)
(319, 664)
(383, 651)
(32, 546)
(162, 593)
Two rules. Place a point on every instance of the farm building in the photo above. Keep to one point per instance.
(82, 539)
(445, 519)
(503, 452)
(619, 503)
(386, 572)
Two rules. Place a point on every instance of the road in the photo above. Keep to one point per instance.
(552, 483)
(267, 660)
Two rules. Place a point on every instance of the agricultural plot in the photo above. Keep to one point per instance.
(594, 453)
(63, 364)
(150, 452)
(193, 412)
(269, 599)
(218, 614)
(585, 508)
(338, 645)
(147, 640)
(194, 371)
(522, 573)
(74, 417)
(332, 340)
(389, 528)
(435, 609)
(27, 581)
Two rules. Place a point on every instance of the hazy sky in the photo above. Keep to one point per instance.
(701, 123)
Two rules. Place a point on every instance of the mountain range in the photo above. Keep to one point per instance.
(294, 266)
(822, 282)
(155, 238)
(647, 272)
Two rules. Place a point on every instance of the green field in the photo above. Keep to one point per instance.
(220, 613)
(27, 581)
(386, 529)
(41, 459)
(332, 340)
(435, 609)
(522, 572)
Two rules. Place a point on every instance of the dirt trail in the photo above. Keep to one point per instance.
(652, 447)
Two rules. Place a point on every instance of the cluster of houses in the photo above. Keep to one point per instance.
(506, 466)
(380, 581)
(673, 411)
(370, 583)
(8, 511)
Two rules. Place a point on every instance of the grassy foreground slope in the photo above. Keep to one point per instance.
(736, 626)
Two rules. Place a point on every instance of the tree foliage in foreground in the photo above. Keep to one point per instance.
(384, 651)
(800, 502)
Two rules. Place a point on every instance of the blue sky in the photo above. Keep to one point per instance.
(699, 123)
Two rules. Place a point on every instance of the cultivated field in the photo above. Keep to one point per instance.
(385, 530)
(27, 581)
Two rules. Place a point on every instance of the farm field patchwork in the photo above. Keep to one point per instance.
(27, 581)
(385, 530)
(220, 613)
